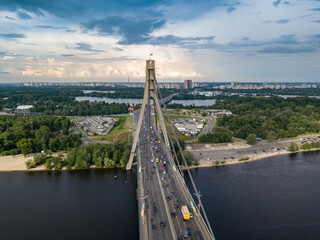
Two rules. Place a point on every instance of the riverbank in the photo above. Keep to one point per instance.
(17, 163)
(251, 158)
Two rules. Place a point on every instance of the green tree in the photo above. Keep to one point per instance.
(251, 139)
(99, 162)
(293, 147)
(125, 158)
(109, 163)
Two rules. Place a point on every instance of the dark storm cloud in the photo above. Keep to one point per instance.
(12, 35)
(67, 55)
(132, 31)
(71, 8)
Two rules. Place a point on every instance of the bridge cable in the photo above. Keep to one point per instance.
(188, 170)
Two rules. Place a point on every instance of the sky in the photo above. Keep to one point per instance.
(206, 41)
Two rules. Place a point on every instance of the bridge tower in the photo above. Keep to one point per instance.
(150, 90)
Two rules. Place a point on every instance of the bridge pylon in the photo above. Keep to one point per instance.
(150, 90)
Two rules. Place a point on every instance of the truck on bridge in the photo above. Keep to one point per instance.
(185, 212)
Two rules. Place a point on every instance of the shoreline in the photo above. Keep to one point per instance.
(17, 163)
(252, 158)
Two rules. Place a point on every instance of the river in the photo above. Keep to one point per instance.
(207, 102)
(276, 198)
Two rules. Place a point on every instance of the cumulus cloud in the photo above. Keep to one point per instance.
(132, 31)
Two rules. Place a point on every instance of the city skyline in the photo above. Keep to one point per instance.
(221, 41)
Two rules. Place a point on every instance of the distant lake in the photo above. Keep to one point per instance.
(207, 102)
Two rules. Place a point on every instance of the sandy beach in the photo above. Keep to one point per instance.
(16, 163)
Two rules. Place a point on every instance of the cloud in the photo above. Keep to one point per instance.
(67, 55)
(278, 2)
(317, 21)
(118, 49)
(12, 35)
(23, 15)
(10, 18)
(8, 58)
(49, 27)
(4, 72)
(283, 21)
(286, 49)
(190, 42)
(230, 9)
(72, 9)
(85, 47)
(315, 9)
(131, 31)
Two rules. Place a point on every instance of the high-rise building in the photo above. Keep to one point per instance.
(187, 84)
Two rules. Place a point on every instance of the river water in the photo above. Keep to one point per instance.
(276, 198)
(207, 102)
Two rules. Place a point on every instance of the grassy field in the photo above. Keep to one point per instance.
(121, 132)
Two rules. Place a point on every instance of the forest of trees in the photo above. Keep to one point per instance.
(57, 101)
(82, 157)
(270, 118)
(29, 134)
(219, 135)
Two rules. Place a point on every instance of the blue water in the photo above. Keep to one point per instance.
(276, 198)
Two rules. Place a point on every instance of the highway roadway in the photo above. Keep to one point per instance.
(163, 192)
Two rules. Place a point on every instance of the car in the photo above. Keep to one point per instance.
(171, 193)
(160, 171)
(164, 172)
(165, 185)
(162, 225)
(232, 157)
(154, 227)
(168, 198)
(191, 215)
(185, 233)
(162, 179)
(173, 214)
(152, 160)
(152, 172)
(176, 206)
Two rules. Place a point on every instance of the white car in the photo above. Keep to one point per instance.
(152, 160)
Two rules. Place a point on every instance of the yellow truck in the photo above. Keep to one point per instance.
(159, 141)
(185, 212)
(157, 159)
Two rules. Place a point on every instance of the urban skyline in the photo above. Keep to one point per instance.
(218, 41)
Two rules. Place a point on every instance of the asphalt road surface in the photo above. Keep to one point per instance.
(163, 192)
